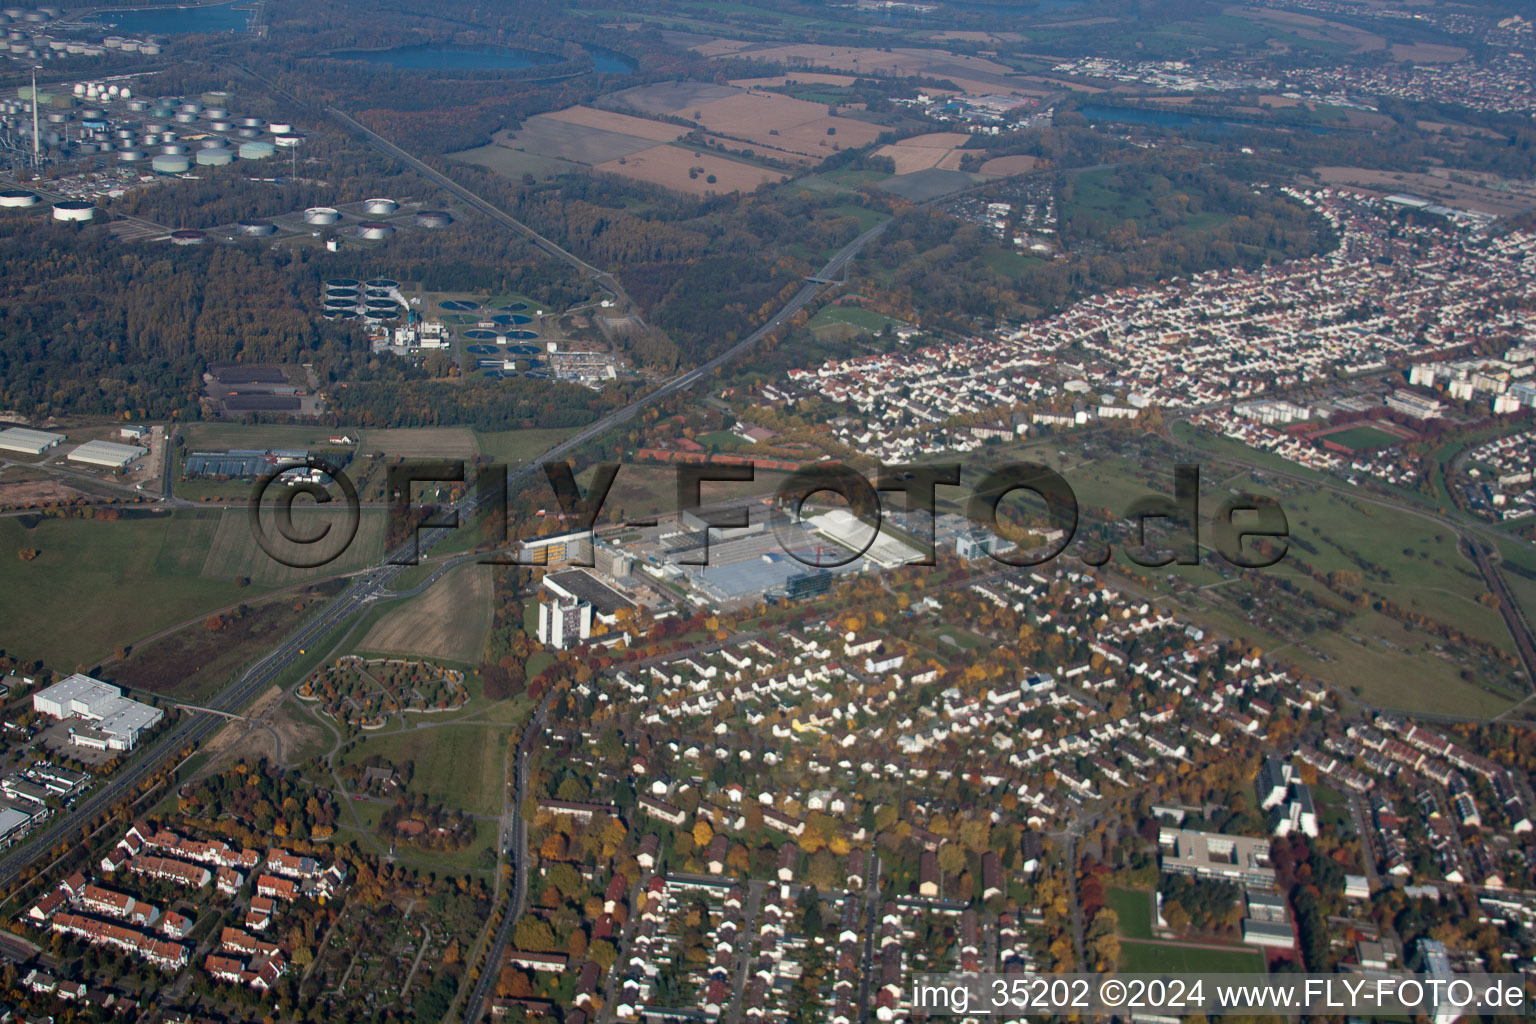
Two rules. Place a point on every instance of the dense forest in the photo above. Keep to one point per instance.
(90, 325)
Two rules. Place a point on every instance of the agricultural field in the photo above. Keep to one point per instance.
(420, 442)
(234, 553)
(515, 447)
(91, 580)
(366, 692)
(693, 171)
(921, 152)
(449, 620)
(261, 436)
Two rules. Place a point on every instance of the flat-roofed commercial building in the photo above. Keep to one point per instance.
(1213, 855)
(116, 722)
(107, 454)
(28, 442)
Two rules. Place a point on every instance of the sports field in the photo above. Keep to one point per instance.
(1158, 957)
(1362, 438)
(1134, 908)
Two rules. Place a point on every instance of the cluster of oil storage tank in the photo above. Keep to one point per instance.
(23, 35)
(369, 301)
(171, 134)
(68, 210)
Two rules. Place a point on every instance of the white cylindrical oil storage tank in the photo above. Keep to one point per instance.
(279, 128)
(171, 163)
(150, 49)
(150, 139)
(168, 134)
(288, 141)
(131, 45)
(216, 111)
(191, 107)
(75, 49)
(131, 155)
(256, 228)
(380, 207)
(220, 126)
(215, 157)
(212, 144)
(252, 122)
(56, 118)
(248, 133)
(188, 237)
(58, 45)
(321, 215)
(217, 98)
(79, 88)
(94, 51)
(73, 210)
(112, 42)
(256, 150)
(16, 199)
(183, 117)
(138, 106)
(125, 133)
(13, 12)
(174, 149)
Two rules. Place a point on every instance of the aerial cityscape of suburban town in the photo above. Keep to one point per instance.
(783, 510)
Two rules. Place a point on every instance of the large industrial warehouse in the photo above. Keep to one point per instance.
(116, 721)
(28, 442)
(106, 453)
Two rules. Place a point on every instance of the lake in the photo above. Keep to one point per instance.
(175, 21)
(448, 57)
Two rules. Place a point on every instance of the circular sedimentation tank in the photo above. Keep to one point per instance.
(342, 282)
(383, 282)
(73, 210)
(321, 215)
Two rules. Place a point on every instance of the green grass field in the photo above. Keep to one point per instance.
(223, 436)
(97, 584)
(852, 316)
(1159, 957)
(459, 766)
(1134, 908)
(515, 447)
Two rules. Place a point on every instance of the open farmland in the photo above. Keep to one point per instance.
(449, 620)
(796, 127)
(669, 166)
(621, 124)
(974, 74)
(921, 152)
(95, 583)
(235, 554)
(421, 442)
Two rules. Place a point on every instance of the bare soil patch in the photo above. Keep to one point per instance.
(448, 621)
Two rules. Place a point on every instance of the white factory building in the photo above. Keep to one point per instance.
(28, 442)
(116, 722)
(106, 453)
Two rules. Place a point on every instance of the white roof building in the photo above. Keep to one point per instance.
(28, 442)
(106, 453)
(116, 720)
